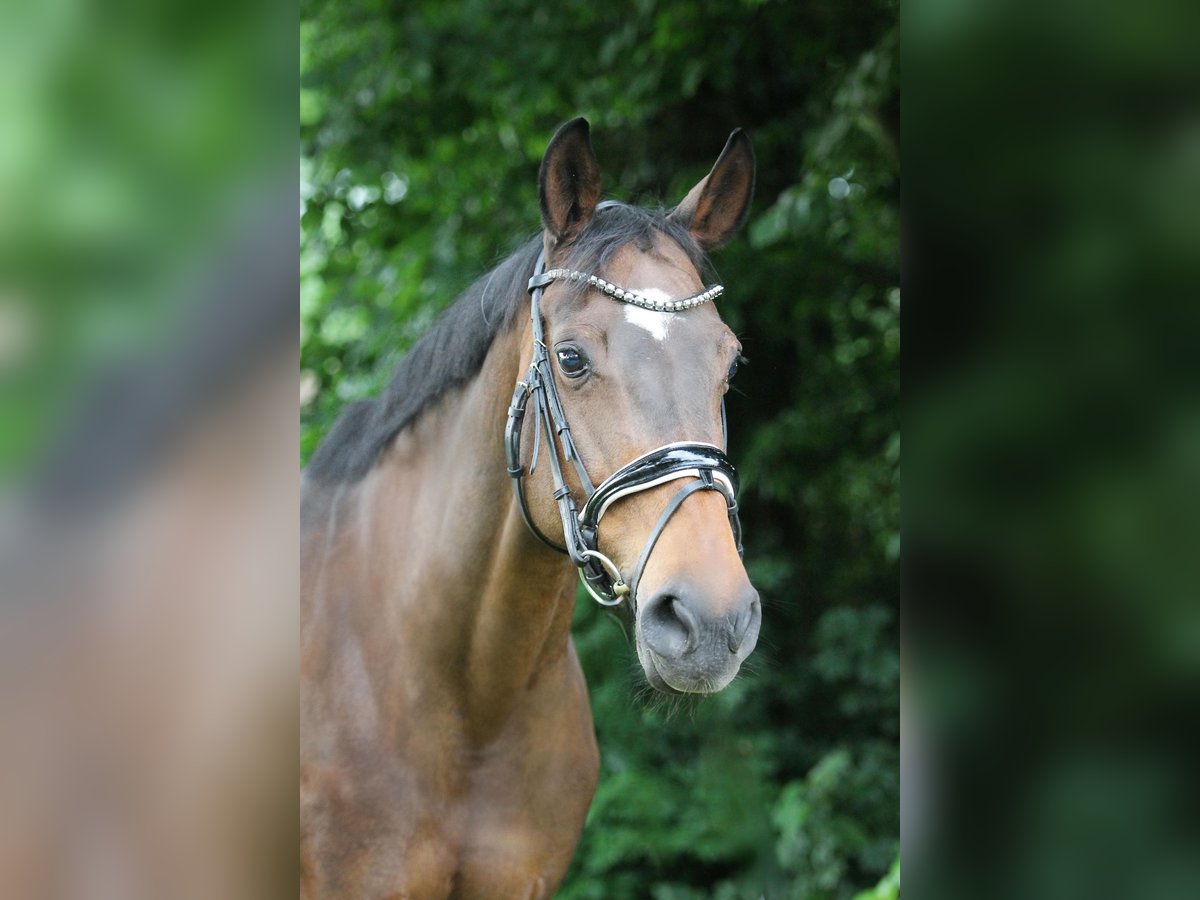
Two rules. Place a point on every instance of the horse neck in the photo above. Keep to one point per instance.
(479, 604)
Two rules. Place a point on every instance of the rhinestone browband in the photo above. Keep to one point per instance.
(633, 297)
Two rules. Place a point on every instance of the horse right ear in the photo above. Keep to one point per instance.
(568, 183)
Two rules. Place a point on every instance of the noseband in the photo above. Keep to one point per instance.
(706, 463)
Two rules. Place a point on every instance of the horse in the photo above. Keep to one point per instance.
(447, 743)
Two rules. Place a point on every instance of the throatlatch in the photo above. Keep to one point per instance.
(706, 463)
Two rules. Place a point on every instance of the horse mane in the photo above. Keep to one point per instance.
(452, 352)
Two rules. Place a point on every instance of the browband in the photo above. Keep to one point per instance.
(626, 296)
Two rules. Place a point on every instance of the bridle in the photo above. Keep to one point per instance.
(706, 463)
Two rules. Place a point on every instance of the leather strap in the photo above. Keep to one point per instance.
(704, 483)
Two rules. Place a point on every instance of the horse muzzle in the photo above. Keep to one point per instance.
(691, 642)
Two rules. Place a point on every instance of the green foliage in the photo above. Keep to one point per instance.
(888, 887)
(422, 130)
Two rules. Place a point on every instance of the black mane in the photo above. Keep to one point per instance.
(452, 352)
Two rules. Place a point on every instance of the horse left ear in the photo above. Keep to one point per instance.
(569, 182)
(716, 208)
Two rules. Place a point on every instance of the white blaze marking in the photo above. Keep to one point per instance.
(652, 320)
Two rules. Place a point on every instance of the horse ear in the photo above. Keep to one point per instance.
(716, 208)
(569, 182)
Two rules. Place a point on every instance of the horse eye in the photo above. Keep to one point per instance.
(733, 367)
(571, 361)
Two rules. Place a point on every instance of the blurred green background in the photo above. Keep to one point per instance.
(422, 128)
(1052, 466)
(141, 142)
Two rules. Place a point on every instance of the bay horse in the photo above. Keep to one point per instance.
(447, 746)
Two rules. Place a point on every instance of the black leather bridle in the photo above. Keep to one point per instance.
(706, 463)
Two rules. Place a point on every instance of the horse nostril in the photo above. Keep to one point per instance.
(669, 626)
(744, 623)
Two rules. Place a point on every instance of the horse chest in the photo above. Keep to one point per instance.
(523, 814)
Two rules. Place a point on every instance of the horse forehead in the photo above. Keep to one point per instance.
(664, 268)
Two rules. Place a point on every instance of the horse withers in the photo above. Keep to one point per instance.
(447, 745)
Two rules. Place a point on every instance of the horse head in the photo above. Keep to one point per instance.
(632, 361)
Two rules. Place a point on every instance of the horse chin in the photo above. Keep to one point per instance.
(662, 679)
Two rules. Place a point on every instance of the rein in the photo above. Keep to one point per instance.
(704, 462)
